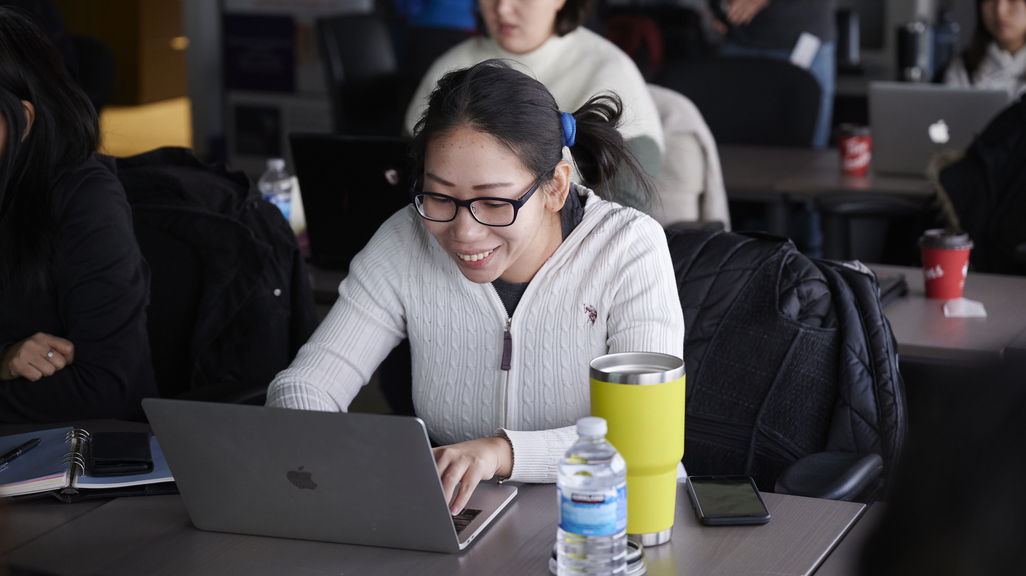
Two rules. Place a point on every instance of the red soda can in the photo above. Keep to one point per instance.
(856, 147)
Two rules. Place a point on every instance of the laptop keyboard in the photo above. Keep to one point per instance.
(463, 519)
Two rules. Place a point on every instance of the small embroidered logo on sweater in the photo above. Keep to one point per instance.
(591, 312)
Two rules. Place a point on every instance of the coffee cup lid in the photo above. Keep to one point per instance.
(945, 240)
(853, 130)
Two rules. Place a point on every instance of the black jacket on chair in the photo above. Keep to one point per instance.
(231, 301)
(787, 359)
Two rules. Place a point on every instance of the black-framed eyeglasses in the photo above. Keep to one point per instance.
(487, 210)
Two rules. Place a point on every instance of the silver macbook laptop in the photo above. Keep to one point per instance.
(353, 478)
(911, 122)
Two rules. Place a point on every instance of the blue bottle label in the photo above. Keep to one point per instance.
(593, 512)
(282, 201)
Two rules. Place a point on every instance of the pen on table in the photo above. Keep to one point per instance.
(7, 458)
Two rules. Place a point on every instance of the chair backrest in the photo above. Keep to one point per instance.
(785, 357)
(362, 74)
(871, 227)
(230, 301)
(690, 183)
(755, 101)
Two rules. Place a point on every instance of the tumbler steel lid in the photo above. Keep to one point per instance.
(641, 368)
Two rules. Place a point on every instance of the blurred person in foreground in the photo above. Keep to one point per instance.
(958, 505)
(73, 283)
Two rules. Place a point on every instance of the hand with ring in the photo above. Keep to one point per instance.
(37, 356)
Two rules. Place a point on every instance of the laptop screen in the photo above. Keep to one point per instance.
(350, 186)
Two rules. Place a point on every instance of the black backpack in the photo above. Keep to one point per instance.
(230, 299)
(785, 357)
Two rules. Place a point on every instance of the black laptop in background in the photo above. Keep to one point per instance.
(350, 186)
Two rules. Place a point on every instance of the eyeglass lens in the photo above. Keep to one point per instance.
(490, 212)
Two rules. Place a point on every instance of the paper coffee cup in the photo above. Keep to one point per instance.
(856, 148)
(945, 262)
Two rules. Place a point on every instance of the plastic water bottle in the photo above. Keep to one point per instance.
(276, 186)
(592, 489)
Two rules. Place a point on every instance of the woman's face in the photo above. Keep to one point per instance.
(520, 26)
(469, 164)
(1006, 21)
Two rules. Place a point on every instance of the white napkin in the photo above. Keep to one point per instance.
(964, 308)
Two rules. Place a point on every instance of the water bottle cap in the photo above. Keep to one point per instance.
(591, 426)
(276, 164)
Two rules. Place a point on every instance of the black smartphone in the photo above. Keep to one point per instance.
(727, 500)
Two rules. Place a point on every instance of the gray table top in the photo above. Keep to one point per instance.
(153, 535)
(844, 559)
(924, 332)
(767, 173)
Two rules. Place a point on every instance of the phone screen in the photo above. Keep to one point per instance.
(727, 500)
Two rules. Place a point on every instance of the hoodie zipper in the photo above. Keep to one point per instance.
(507, 355)
(507, 345)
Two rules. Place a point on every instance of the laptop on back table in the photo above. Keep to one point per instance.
(350, 186)
(364, 479)
(911, 122)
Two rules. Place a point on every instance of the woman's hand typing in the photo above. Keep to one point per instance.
(36, 356)
(468, 463)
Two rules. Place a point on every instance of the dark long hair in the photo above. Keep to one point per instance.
(64, 133)
(975, 51)
(518, 111)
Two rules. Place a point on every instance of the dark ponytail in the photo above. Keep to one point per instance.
(601, 153)
(518, 111)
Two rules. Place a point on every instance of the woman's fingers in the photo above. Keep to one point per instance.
(60, 346)
(37, 356)
(466, 490)
(465, 465)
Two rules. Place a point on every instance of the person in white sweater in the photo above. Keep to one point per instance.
(507, 278)
(543, 38)
(996, 56)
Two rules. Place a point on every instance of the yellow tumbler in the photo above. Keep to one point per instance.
(641, 396)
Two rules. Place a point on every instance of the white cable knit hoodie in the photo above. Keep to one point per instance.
(609, 287)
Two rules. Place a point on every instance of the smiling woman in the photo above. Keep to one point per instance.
(507, 278)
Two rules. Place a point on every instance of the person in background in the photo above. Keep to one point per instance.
(507, 277)
(772, 29)
(995, 58)
(545, 39)
(73, 283)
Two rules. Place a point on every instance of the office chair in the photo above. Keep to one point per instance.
(755, 101)
(365, 84)
(792, 370)
(871, 227)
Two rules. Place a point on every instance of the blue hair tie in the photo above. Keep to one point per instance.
(569, 128)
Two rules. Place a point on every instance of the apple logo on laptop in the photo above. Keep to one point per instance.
(939, 132)
(301, 479)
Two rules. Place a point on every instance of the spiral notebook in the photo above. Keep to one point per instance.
(60, 465)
